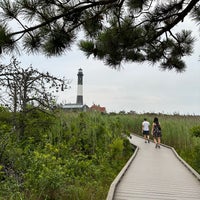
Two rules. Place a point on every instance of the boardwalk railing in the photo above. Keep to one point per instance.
(122, 173)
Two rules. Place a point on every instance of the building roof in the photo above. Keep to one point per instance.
(98, 108)
(72, 105)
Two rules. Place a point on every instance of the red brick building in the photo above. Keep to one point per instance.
(98, 108)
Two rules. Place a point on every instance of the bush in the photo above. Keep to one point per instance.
(66, 159)
(195, 131)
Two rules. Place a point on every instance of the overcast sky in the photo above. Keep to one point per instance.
(138, 87)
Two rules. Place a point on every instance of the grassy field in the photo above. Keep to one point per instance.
(70, 155)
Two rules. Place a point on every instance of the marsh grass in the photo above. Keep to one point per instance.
(80, 154)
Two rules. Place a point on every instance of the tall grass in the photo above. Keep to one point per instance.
(79, 154)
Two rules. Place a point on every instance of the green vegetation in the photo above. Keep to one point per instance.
(61, 156)
(76, 156)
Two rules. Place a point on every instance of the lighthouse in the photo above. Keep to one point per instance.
(79, 99)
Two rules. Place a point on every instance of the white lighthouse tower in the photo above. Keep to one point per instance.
(79, 99)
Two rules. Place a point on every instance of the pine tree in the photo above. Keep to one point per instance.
(116, 31)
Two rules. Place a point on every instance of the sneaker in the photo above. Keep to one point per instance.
(148, 140)
(159, 146)
(156, 146)
(145, 141)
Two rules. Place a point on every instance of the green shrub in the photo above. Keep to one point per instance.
(196, 131)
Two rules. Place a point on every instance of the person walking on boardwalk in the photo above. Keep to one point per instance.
(145, 130)
(156, 132)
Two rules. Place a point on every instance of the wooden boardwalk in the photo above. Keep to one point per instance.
(155, 174)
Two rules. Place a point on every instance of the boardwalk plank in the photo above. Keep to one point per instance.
(156, 174)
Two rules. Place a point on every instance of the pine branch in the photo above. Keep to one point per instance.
(180, 17)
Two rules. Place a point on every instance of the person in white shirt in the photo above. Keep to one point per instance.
(145, 130)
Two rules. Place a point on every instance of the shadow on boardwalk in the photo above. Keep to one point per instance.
(155, 174)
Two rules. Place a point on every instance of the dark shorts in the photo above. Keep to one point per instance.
(145, 132)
